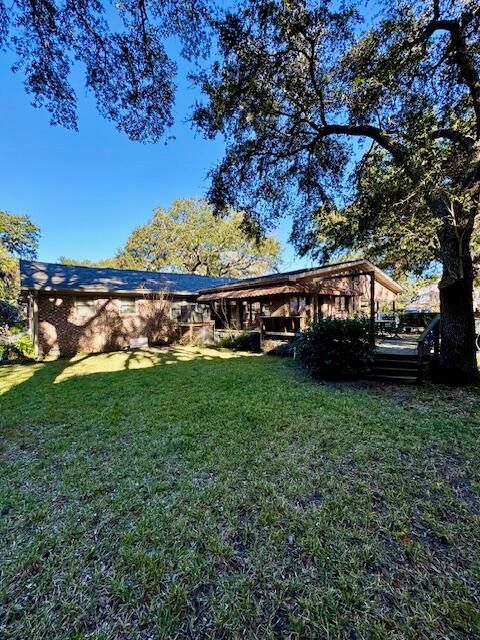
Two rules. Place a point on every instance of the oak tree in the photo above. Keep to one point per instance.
(18, 239)
(364, 126)
(188, 238)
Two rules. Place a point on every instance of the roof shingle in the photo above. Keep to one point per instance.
(59, 277)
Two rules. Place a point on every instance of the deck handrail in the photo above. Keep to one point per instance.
(433, 325)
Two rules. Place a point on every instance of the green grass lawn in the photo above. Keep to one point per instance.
(205, 494)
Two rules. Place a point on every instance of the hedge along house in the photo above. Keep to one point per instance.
(84, 309)
(282, 304)
(72, 309)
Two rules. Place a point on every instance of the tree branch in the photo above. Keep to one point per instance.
(466, 142)
(463, 59)
(368, 131)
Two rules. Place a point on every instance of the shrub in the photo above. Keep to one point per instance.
(336, 349)
(21, 350)
(245, 341)
(418, 319)
(9, 313)
(15, 329)
(278, 348)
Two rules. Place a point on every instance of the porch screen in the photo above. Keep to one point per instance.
(184, 311)
(297, 305)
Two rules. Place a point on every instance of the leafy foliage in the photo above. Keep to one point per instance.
(121, 49)
(364, 127)
(107, 262)
(245, 341)
(419, 319)
(9, 313)
(188, 238)
(18, 238)
(333, 348)
(19, 235)
(22, 350)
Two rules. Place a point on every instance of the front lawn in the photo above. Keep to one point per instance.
(209, 494)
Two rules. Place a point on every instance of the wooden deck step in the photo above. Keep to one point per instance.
(397, 364)
(396, 377)
(396, 367)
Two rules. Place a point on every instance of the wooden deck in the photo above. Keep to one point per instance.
(401, 346)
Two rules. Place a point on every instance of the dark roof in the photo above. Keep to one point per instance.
(59, 277)
(295, 272)
(363, 265)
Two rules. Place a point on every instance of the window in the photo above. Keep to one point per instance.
(297, 305)
(341, 303)
(86, 307)
(127, 306)
(183, 311)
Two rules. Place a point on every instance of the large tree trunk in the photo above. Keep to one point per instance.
(458, 363)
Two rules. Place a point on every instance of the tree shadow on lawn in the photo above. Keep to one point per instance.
(182, 492)
(454, 401)
(60, 369)
(209, 387)
(48, 391)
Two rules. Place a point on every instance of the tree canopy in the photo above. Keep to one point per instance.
(319, 104)
(18, 239)
(362, 125)
(107, 262)
(120, 48)
(188, 238)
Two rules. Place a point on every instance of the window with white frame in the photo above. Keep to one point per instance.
(86, 307)
(127, 306)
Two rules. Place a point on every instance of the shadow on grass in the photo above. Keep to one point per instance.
(92, 382)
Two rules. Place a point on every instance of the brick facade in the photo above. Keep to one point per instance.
(69, 314)
(62, 330)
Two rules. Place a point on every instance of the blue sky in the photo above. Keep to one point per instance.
(88, 189)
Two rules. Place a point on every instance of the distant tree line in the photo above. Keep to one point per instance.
(187, 238)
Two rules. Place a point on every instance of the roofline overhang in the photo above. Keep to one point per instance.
(111, 292)
(327, 270)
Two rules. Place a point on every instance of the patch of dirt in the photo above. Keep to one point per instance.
(455, 473)
(201, 623)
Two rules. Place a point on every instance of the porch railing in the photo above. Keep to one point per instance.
(278, 327)
(429, 345)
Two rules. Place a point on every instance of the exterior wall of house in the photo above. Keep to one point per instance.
(64, 325)
(64, 330)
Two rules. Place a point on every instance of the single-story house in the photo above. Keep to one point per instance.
(89, 309)
(428, 299)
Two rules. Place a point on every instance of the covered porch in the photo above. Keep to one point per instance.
(281, 305)
(282, 311)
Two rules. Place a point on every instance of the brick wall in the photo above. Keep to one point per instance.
(62, 330)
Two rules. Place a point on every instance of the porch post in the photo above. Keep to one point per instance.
(372, 304)
(316, 313)
(239, 314)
